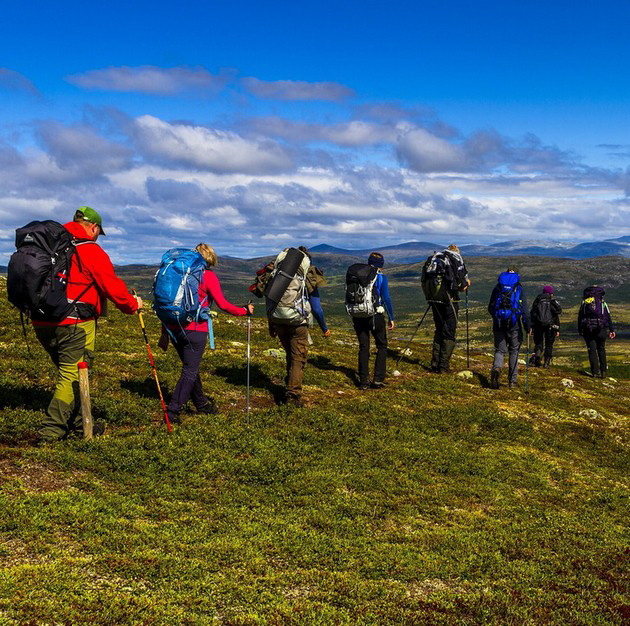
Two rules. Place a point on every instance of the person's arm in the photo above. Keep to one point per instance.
(493, 299)
(385, 297)
(95, 262)
(316, 309)
(611, 330)
(580, 319)
(212, 288)
(525, 311)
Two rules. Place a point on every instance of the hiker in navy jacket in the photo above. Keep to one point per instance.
(375, 326)
(509, 318)
(545, 319)
(595, 325)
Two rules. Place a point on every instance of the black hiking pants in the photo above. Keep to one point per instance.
(364, 326)
(596, 344)
(445, 320)
(544, 338)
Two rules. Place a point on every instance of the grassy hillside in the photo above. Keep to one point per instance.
(433, 501)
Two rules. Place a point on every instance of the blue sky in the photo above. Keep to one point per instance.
(259, 125)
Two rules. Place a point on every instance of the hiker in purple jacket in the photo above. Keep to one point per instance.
(595, 325)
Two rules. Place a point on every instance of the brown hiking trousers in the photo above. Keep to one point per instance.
(294, 340)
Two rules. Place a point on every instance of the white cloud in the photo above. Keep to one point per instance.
(148, 79)
(215, 150)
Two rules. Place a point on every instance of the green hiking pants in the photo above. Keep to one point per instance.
(66, 345)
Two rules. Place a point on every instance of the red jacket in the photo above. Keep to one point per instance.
(92, 266)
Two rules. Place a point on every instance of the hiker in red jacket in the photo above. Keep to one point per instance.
(91, 280)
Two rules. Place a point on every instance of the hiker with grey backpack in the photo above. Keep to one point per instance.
(595, 325)
(367, 301)
(290, 301)
(509, 312)
(444, 276)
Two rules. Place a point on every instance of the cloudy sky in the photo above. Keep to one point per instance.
(263, 124)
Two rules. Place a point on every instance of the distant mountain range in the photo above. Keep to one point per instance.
(415, 251)
(332, 258)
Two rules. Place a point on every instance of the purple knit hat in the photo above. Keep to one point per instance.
(547, 289)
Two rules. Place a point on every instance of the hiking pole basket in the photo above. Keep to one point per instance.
(154, 371)
(402, 352)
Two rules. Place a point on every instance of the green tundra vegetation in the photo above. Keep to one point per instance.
(433, 501)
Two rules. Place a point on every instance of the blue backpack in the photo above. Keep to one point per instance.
(176, 287)
(507, 306)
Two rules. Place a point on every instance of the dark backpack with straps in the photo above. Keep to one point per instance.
(542, 312)
(37, 275)
(593, 309)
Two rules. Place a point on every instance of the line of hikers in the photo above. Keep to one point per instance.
(60, 278)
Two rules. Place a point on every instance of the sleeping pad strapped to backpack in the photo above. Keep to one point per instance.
(507, 306)
(176, 287)
(285, 293)
(37, 275)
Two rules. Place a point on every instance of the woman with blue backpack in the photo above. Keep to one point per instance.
(186, 273)
(509, 317)
(595, 325)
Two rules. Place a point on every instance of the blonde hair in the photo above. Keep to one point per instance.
(453, 248)
(208, 254)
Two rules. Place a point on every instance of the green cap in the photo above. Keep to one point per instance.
(89, 214)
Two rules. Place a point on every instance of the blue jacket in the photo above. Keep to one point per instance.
(382, 289)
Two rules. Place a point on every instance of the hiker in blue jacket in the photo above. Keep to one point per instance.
(509, 311)
(376, 327)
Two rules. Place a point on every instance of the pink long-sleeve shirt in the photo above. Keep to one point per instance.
(211, 289)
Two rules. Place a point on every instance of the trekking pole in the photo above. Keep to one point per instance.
(402, 352)
(467, 336)
(154, 370)
(527, 366)
(249, 337)
(86, 405)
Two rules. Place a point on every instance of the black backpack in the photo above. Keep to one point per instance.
(541, 311)
(37, 275)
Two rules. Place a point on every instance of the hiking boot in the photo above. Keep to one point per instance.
(41, 441)
(512, 385)
(363, 386)
(443, 370)
(547, 362)
(209, 409)
(378, 384)
(174, 418)
(295, 402)
(494, 378)
(98, 429)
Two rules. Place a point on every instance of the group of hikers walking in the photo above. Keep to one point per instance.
(60, 278)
